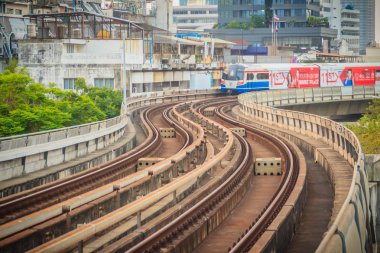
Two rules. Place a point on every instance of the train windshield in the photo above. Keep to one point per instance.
(235, 72)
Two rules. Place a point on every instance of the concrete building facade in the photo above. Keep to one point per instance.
(293, 27)
(367, 21)
(350, 30)
(195, 17)
(239, 10)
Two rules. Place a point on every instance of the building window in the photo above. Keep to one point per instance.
(299, 1)
(104, 82)
(70, 49)
(18, 12)
(9, 11)
(69, 83)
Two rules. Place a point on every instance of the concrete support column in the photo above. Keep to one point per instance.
(138, 217)
(175, 197)
(67, 209)
(117, 196)
(80, 247)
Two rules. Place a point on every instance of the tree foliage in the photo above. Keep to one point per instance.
(368, 128)
(27, 107)
(255, 22)
(313, 21)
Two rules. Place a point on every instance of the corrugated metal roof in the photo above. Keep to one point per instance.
(174, 40)
(210, 40)
(18, 27)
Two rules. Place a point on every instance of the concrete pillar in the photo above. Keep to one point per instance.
(175, 197)
(80, 247)
(117, 196)
(138, 217)
(67, 209)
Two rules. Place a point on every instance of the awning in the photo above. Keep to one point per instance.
(210, 40)
(174, 40)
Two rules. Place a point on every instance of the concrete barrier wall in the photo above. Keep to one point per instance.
(352, 229)
(28, 153)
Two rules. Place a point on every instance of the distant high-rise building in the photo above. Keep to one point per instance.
(301, 23)
(367, 21)
(239, 10)
(195, 15)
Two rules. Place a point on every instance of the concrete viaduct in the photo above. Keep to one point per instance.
(30, 160)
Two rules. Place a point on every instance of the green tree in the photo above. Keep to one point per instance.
(12, 65)
(27, 107)
(291, 22)
(233, 25)
(313, 21)
(367, 128)
(84, 110)
(80, 85)
(257, 22)
(12, 85)
(107, 100)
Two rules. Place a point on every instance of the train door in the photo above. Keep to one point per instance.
(262, 81)
(249, 79)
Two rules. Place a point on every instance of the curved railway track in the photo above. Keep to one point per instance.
(166, 237)
(258, 227)
(234, 183)
(91, 179)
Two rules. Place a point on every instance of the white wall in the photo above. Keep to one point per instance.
(200, 80)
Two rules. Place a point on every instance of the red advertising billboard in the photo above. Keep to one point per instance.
(303, 77)
(358, 76)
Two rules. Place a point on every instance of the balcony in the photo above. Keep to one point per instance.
(350, 28)
(350, 19)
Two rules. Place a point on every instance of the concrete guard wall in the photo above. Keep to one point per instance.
(353, 228)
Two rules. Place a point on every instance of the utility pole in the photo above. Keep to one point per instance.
(124, 77)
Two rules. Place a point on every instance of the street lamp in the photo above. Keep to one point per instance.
(124, 83)
(241, 49)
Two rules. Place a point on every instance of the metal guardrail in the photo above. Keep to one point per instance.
(351, 231)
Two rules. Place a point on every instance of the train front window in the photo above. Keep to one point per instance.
(235, 73)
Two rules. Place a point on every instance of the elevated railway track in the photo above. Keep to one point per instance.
(205, 182)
